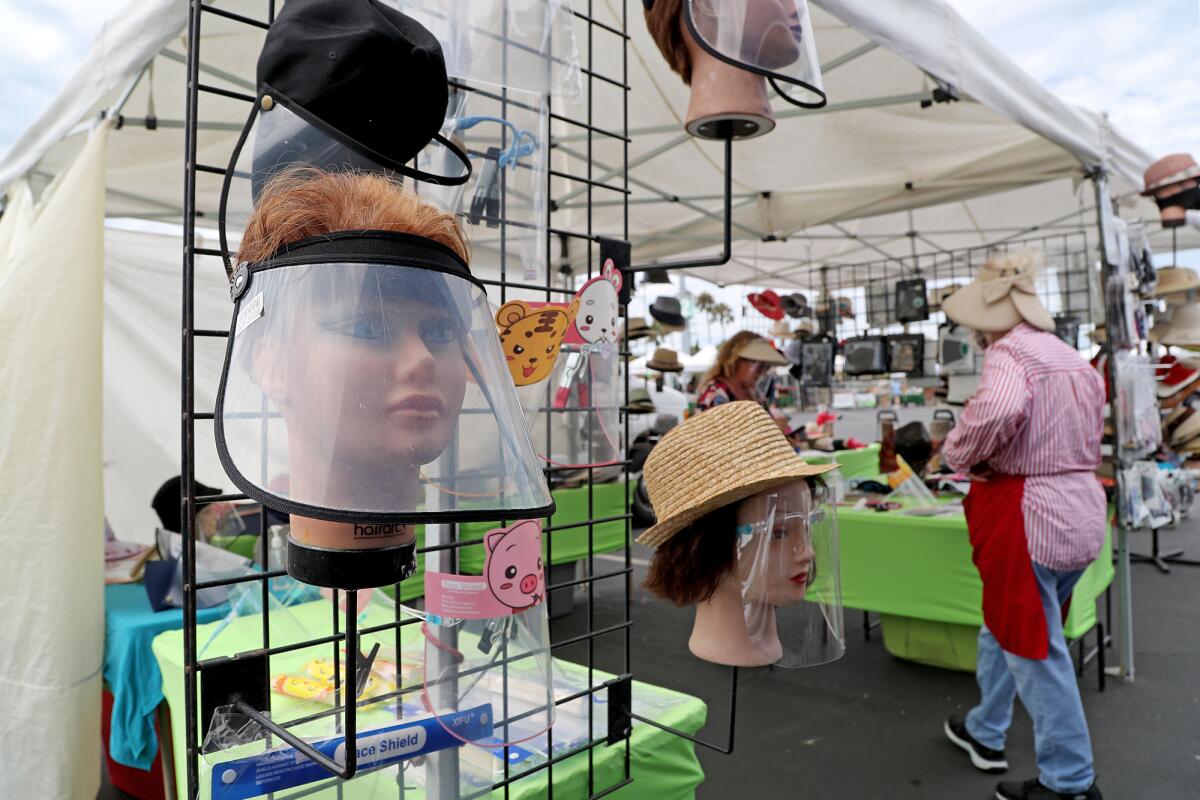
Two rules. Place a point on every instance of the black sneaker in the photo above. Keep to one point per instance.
(1034, 790)
(984, 758)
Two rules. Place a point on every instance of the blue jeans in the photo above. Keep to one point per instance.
(1048, 691)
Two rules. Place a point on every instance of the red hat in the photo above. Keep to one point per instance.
(768, 304)
(1175, 378)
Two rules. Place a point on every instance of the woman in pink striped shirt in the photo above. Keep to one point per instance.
(1030, 437)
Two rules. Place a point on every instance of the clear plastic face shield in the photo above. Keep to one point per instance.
(359, 392)
(772, 38)
(502, 206)
(487, 642)
(788, 571)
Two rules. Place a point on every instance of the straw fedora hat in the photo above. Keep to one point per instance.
(1175, 168)
(1174, 284)
(640, 401)
(1001, 297)
(806, 327)
(665, 360)
(638, 329)
(1182, 328)
(718, 457)
(780, 330)
(1186, 432)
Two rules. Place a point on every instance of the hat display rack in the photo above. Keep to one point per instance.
(861, 302)
(241, 679)
(1171, 367)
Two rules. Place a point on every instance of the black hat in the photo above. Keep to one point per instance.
(914, 446)
(795, 305)
(667, 311)
(337, 64)
(168, 502)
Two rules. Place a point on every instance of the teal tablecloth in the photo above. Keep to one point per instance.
(131, 671)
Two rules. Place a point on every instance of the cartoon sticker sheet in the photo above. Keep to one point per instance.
(597, 321)
(531, 334)
(513, 579)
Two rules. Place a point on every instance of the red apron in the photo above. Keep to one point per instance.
(1012, 604)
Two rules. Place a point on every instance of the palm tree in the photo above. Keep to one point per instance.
(705, 303)
(724, 315)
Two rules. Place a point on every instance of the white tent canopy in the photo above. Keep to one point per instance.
(843, 184)
(833, 184)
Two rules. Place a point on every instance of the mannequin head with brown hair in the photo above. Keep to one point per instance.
(720, 92)
(366, 364)
(736, 582)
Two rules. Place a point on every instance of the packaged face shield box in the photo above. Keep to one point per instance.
(911, 302)
(906, 353)
(865, 355)
(955, 352)
(816, 363)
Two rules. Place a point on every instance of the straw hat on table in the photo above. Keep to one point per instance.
(1174, 283)
(1001, 297)
(720, 456)
(665, 360)
(1182, 328)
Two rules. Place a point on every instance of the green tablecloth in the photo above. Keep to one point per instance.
(569, 544)
(921, 568)
(663, 766)
(861, 463)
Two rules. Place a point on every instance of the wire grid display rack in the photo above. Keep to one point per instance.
(1068, 286)
(572, 234)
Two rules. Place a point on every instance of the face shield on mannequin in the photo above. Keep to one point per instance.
(747, 534)
(787, 577)
(364, 389)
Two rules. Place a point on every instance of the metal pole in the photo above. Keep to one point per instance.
(441, 770)
(1108, 270)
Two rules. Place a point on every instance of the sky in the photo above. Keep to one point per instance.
(1135, 60)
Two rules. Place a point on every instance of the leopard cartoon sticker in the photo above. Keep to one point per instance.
(530, 335)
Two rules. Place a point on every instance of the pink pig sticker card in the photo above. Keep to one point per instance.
(513, 579)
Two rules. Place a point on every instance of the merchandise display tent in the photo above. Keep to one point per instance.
(932, 141)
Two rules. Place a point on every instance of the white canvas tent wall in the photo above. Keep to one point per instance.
(855, 168)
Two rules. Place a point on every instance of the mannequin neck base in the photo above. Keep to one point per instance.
(719, 633)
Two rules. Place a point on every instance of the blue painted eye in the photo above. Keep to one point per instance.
(439, 331)
(368, 328)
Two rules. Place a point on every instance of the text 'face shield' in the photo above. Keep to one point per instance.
(787, 565)
(366, 391)
(772, 38)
